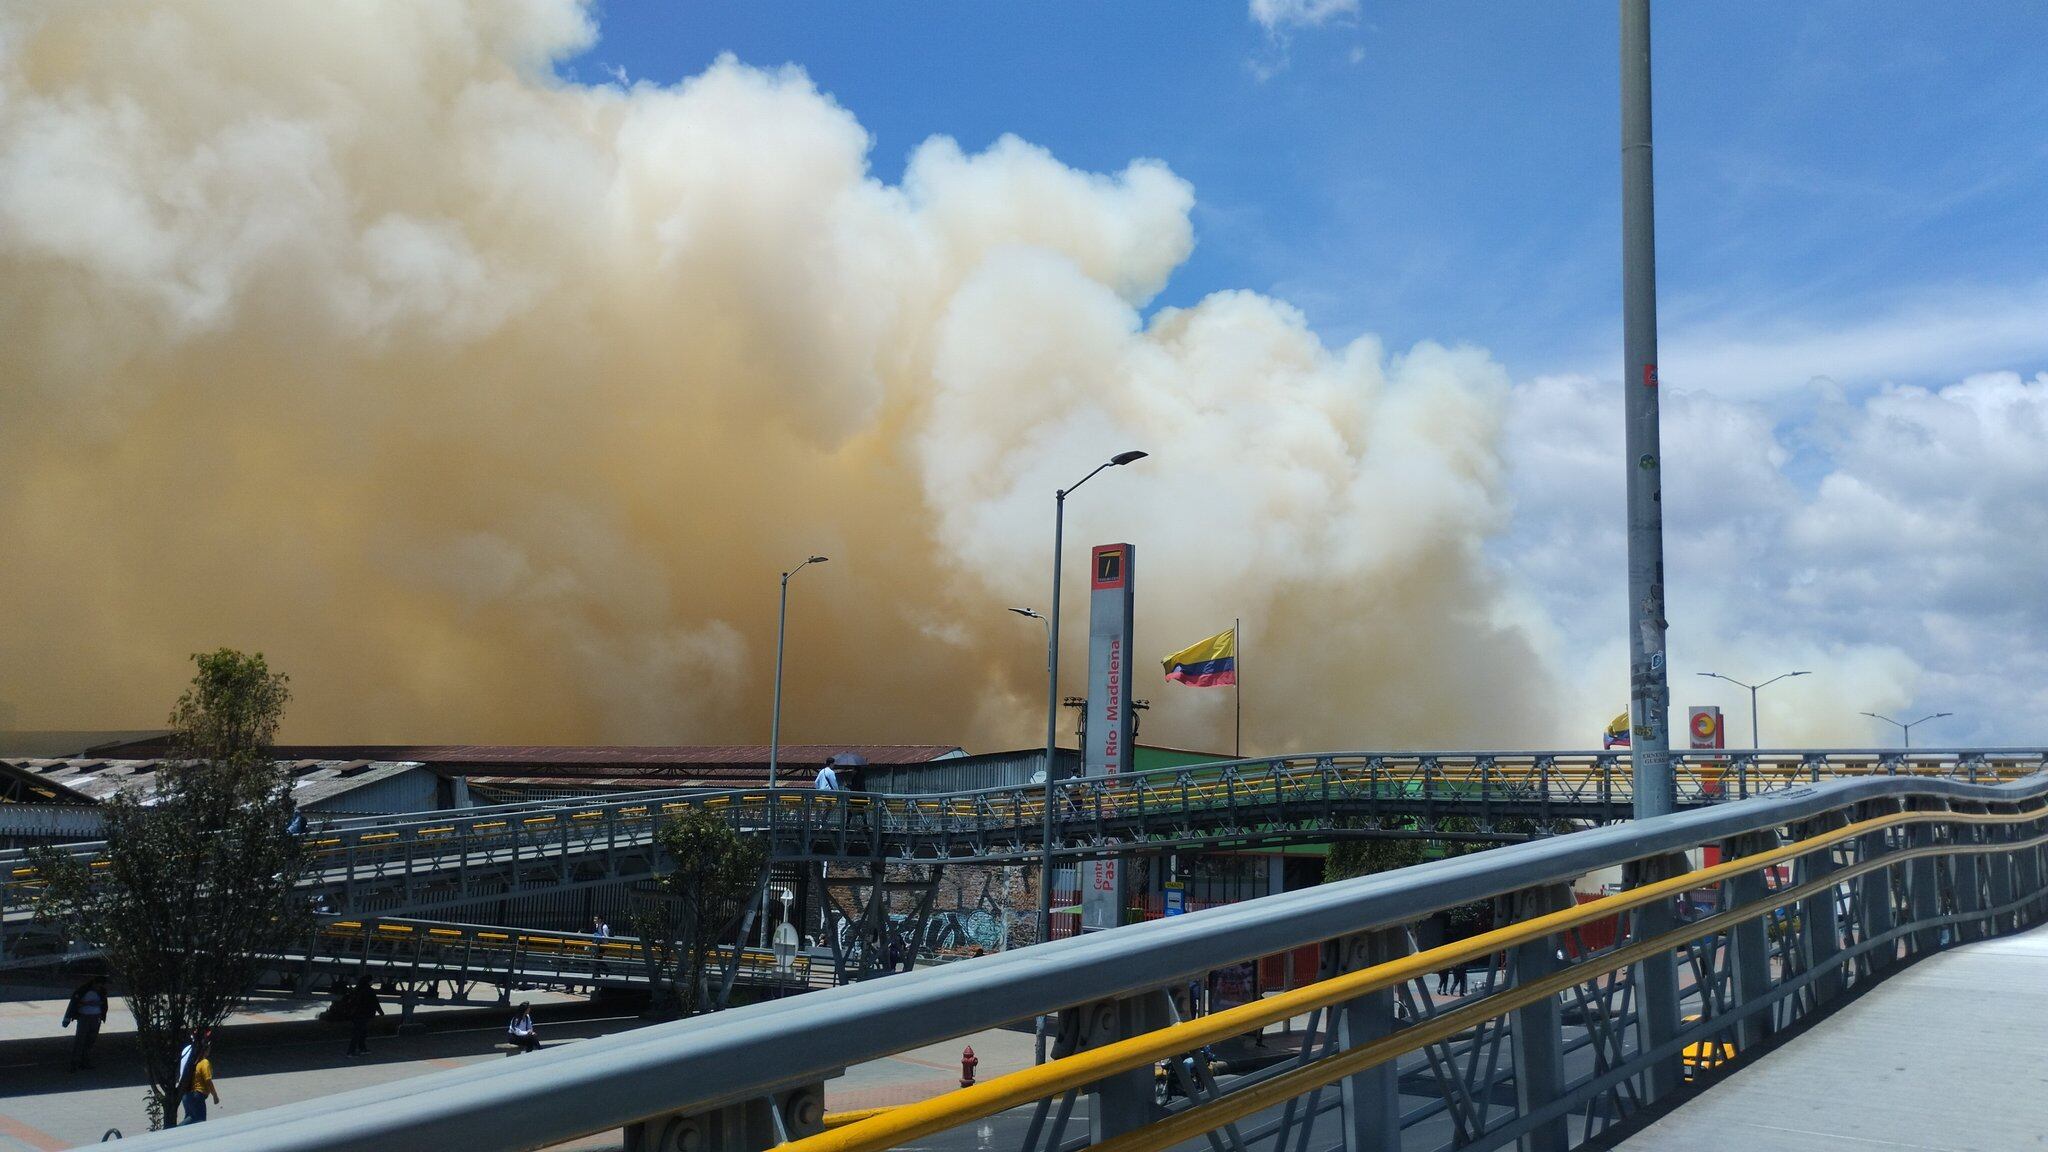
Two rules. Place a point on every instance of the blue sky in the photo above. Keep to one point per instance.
(1447, 171)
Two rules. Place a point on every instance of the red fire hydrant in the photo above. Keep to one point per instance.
(967, 1066)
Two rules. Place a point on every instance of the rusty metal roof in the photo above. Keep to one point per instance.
(638, 756)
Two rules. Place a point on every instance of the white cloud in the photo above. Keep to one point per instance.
(1277, 14)
(1909, 576)
(1937, 336)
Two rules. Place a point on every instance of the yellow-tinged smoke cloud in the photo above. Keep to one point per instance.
(490, 405)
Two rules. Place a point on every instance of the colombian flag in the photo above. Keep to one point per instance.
(1208, 664)
(1616, 735)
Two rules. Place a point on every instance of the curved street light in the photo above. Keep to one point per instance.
(1052, 705)
(775, 719)
(1753, 740)
(1906, 730)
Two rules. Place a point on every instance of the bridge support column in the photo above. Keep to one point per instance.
(749, 1126)
(1125, 1101)
(1372, 1098)
(1656, 978)
(1536, 1030)
(1749, 942)
(1820, 921)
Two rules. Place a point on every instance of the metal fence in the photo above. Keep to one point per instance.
(1565, 1034)
(439, 861)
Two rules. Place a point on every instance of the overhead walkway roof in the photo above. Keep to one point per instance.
(1946, 1056)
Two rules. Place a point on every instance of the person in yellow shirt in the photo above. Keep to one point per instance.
(200, 1087)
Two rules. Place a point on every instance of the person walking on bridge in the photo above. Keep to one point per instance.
(603, 933)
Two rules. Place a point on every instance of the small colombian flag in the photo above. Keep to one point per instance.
(1616, 735)
(1208, 663)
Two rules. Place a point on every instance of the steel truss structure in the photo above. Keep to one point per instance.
(1822, 890)
(420, 864)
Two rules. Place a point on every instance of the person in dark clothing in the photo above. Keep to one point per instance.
(88, 1009)
(363, 1007)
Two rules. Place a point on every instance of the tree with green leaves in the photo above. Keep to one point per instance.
(712, 875)
(193, 896)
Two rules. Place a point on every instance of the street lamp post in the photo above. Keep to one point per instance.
(1052, 705)
(775, 726)
(1754, 742)
(1906, 730)
(1041, 618)
(775, 720)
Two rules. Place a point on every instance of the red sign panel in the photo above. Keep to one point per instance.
(1106, 568)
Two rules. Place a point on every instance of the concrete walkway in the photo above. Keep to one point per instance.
(1950, 1055)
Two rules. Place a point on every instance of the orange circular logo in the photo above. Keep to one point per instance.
(1703, 724)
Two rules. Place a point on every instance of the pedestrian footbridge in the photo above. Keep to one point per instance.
(1586, 1025)
(1944, 1055)
(421, 864)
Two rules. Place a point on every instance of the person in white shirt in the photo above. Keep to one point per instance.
(828, 780)
(521, 1032)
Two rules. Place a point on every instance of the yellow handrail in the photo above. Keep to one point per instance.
(914, 1121)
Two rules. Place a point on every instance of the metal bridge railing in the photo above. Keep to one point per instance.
(422, 861)
(1567, 1033)
(419, 952)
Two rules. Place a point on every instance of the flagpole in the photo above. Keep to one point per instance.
(1237, 683)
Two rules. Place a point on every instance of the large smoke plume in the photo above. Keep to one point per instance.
(489, 405)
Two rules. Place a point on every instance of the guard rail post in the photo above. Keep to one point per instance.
(1876, 901)
(1123, 1101)
(2029, 874)
(1922, 888)
(1966, 875)
(1371, 1099)
(1998, 867)
(1749, 942)
(747, 1126)
(1656, 978)
(1536, 1030)
(1820, 919)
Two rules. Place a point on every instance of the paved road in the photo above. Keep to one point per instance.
(279, 1055)
(1950, 1055)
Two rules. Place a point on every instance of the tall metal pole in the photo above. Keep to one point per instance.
(1755, 741)
(1052, 705)
(1052, 720)
(775, 721)
(1649, 690)
(775, 726)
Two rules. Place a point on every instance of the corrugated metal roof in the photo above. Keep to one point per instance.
(314, 780)
(458, 756)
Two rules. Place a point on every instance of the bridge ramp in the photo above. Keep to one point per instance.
(1950, 1055)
